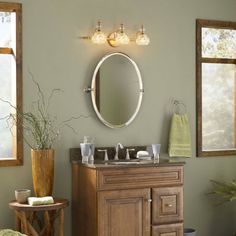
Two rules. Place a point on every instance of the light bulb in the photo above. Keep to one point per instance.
(99, 37)
(142, 39)
(121, 36)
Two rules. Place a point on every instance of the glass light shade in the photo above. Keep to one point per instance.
(122, 38)
(99, 37)
(142, 39)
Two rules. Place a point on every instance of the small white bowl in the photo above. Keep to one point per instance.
(22, 195)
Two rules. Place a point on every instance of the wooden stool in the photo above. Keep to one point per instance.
(28, 219)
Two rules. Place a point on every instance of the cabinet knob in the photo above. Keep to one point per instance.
(149, 200)
(169, 205)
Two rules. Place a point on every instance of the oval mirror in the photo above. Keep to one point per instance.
(116, 90)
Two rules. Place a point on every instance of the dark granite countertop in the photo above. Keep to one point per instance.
(98, 163)
(132, 164)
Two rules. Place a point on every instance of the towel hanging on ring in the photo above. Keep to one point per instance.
(179, 137)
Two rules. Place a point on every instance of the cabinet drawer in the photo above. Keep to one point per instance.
(168, 230)
(167, 205)
(126, 178)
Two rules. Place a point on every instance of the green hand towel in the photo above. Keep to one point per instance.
(180, 139)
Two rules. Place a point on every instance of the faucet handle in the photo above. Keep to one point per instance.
(127, 153)
(105, 154)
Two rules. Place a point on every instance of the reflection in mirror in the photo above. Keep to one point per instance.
(116, 90)
(216, 88)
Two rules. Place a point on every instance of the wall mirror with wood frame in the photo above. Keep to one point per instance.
(216, 87)
(11, 141)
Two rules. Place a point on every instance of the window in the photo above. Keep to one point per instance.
(216, 88)
(11, 144)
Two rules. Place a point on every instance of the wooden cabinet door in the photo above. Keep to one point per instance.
(124, 213)
(167, 205)
(168, 230)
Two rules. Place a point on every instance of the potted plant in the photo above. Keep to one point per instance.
(225, 190)
(41, 130)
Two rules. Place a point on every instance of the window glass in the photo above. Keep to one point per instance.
(7, 82)
(8, 28)
(218, 43)
(218, 104)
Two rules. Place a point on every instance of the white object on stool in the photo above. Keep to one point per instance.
(34, 201)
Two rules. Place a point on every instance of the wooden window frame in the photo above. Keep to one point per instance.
(200, 23)
(18, 142)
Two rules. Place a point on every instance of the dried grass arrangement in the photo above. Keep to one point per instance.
(40, 128)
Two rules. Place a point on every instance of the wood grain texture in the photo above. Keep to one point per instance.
(17, 222)
(218, 60)
(19, 85)
(27, 218)
(127, 178)
(10, 7)
(124, 212)
(216, 24)
(58, 204)
(118, 206)
(62, 222)
(168, 230)
(24, 223)
(18, 135)
(6, 51)
(167, 205)
(84, 201)
(200, 23)
(43, 171)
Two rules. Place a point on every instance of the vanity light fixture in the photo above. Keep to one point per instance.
(118, 37)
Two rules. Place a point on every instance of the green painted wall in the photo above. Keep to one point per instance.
(57, 58)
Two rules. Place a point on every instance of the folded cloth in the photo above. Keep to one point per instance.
(34, 201)
(180, 138)
(9, 232)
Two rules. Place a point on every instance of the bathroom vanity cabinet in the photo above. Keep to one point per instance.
(134, 200)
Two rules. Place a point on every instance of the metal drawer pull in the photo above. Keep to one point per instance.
(169, 205)
(149, 200)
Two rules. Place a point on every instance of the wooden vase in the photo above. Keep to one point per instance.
(43, 171)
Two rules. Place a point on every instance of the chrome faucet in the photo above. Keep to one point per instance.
(118, 145)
